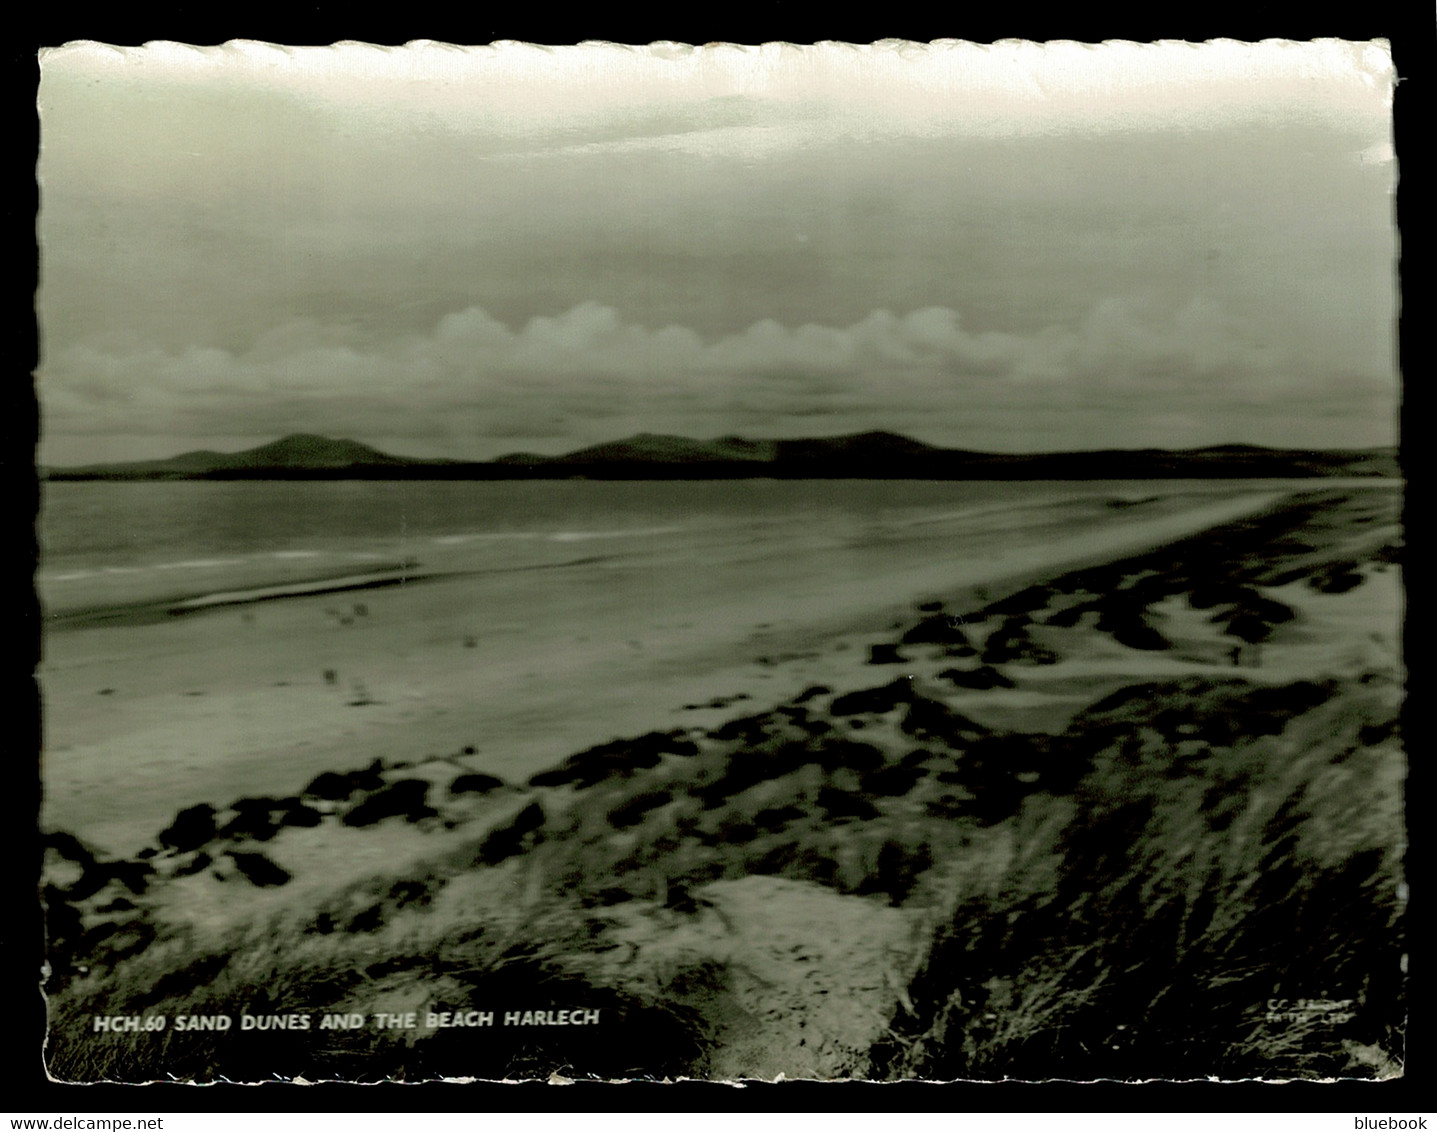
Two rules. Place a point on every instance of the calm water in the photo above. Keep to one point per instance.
(85, 525)
(104, 542)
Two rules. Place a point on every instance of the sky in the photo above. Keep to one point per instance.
(467, 252)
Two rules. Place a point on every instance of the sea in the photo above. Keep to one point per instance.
(112, 544)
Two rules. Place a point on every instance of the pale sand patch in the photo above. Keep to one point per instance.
(808, 975)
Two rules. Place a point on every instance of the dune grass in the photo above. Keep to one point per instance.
(1238, 917)
(468, 949)
(1217, 894)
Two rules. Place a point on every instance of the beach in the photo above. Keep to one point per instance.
(208, 699)
(804, 798)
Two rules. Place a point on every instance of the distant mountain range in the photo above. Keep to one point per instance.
(868, 455)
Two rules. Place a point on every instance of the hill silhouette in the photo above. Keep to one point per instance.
(649, 447)
(298, 451)
(305, 450)
(866, 455)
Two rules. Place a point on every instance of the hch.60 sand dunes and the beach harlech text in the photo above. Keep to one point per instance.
(844, 562)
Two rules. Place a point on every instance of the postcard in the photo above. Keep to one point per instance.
(842, 562)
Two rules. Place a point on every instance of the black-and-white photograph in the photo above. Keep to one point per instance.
(840, 562)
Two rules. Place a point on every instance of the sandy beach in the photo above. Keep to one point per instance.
(228, 694)
(801, 805)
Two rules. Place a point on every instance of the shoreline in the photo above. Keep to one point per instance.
(76, 591)
(201, 709)
(151, 612)
(155, 612)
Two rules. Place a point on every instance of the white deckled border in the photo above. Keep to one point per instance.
(1117, 84)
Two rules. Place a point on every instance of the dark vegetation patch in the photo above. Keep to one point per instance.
(253, 818)
(847, 753)
(89, 876)
(1025, 602)
(931, 719)
(749, 766)
(368, 778)
(737, 832)
(474, 783)
(330, 787)
(987, 773)
(775, 818)
(1210, 595)
(258, 869)
(405, 798)
(838, 805)
(1136, 631)
(1252, 617)
(746, 729)
(1217, 712)
(134, 875)
(300, 816)
(873, 701)
(513, 837)
(196, 864)
(619, 758)
(65, 934)
(197, 973)
(892, 781)
(981, 679)
(92, 874)
(413, 892)
(69, 846)
(1011, 643)
(192, 827)
(1370, 734)
(941, 629)
(633, 809)
(110, 942)
(1067, 617)
(896, 871)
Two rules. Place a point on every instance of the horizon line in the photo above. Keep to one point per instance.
(645, 434)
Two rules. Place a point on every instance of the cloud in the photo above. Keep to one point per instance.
(586, 373)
